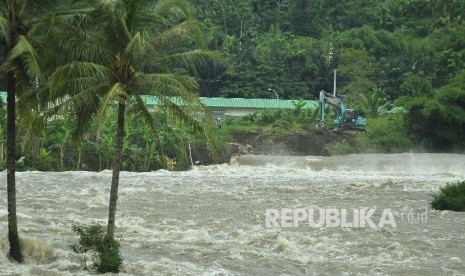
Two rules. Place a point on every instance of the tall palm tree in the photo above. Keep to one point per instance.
(18, 21)
(144, 48)
(13, 34)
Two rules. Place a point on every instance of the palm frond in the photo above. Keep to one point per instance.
(111, 8)
(142, 112)
(113, 13)
(74, 77)
(192, 61)
(32, 99)
(81, 107)
(41, 7)
(4, 30)
(179, 113)
(82, 121)
(137, 13)
(137, 47)
(76, 101)
(188, 31)
(34, 124)
(115, 94)
(24, 52)
(170, 85)
(177, 95)
(171, 9)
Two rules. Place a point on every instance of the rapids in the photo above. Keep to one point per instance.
(211, 220)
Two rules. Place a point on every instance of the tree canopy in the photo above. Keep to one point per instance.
(405, 48)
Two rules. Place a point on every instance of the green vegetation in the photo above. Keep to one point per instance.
(275, 121)
(75, 72)
(385, 134)
(451, 197)
(437, 122)
(55, 150)
(406, 54)
(104, 248)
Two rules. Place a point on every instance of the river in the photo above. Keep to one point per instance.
(212, 220)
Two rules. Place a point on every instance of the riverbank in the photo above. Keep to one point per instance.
(317, 142)
(311, 142)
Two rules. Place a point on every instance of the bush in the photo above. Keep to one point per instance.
(105, 249)
(386, 134)
(277, 122)
(109, 257)
(451, 197)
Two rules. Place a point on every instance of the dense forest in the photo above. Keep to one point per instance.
(405, 48)
(408, 53)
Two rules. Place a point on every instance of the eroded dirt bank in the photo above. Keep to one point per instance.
(311, 142)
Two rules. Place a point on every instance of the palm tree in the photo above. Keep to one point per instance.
(144, 48)
(374, 101)
(18, 21)
(19, 72)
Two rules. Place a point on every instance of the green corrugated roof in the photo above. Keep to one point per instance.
(228, 102)
(239, 102)
(253, 103)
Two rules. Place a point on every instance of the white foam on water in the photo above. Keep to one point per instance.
(211, 220)
(34, 251)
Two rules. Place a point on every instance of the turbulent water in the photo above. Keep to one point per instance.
(212, 220)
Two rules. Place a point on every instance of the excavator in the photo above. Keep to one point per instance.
(346, 119)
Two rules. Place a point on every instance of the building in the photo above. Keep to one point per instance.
(239, 107)
(231, 107)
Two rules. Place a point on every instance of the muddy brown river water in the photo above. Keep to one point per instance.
(212, 220)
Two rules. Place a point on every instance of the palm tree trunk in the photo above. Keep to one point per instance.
(116, 169)
(2, 160)
(79, 150)
(62, 156)
(13, 238)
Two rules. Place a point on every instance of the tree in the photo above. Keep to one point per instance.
(372, 102)
(137, 37)
(356, 69)
(438, 121)
(305, 17)
(20, 22)
(416, 86)
(21, 67)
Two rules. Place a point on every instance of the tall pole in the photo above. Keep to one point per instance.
(334, 85)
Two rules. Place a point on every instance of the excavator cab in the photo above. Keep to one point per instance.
(346, 119)
(350, 117)
(353, 119)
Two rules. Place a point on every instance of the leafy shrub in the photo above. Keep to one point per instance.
(451, 197)
(386, 134)
(109, 257)
(276, 120)
(105, 249)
